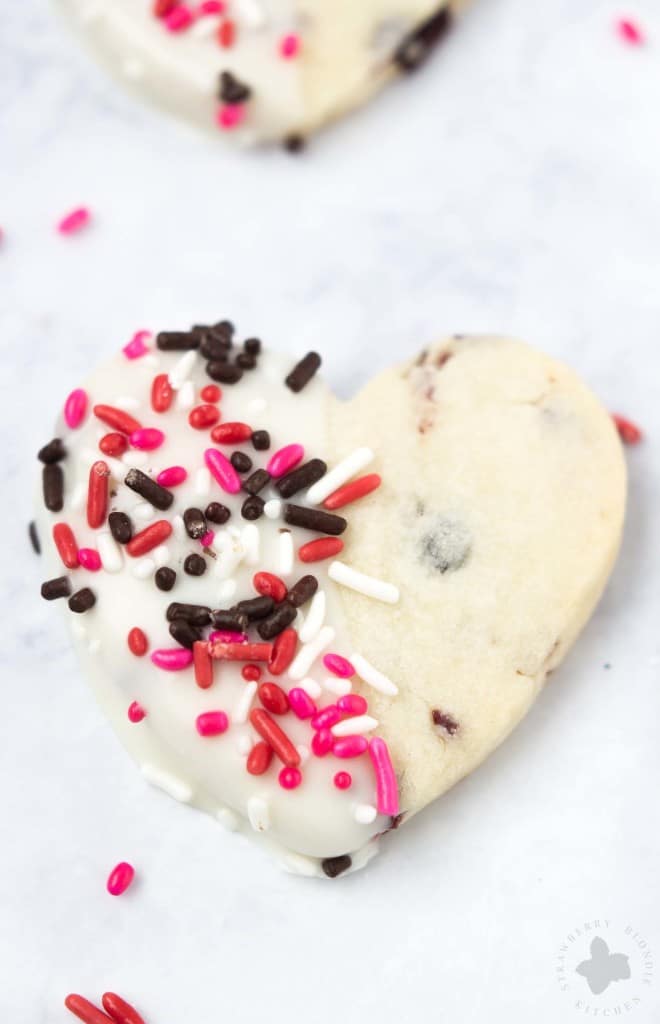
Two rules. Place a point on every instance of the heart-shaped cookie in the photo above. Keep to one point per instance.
(262, 69)
(310, 618)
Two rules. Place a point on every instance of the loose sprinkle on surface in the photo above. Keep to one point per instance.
(74, 221)
(120, 878)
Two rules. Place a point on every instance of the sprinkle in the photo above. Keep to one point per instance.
(231, 433)
(172, 659)
(120, 1011)
(97, 495)
(300, 478)
(285, 459)
(370, 586)
(78, 498)
(314, 519)
(120, 527)
(387, 794)
(277, 621)
(358, 725)
(311, 687)
(177, 341)
(113, 444)
(109, 551)
(338, 666)
(182, 369)
(268, 585)
(65, 542)
(352, 491)
(285, 553)
(133, 458)
(315, 617)
(178, 19)
(84, 1010)
(318, 550)
(366, 671)
(244, 703)
(251, 12)
(301, 703)
(301, 592)
(273, 509)
(163, 7)
(116, 418)
(143, 568)
(211, 723)
(137, 346)
(195, 523)
(226, 373)
(240, 652)
(52, 452)
(74, 221)
(202, 664)
(270, 731)
(197, 614)
(162, 393)
(34, 538)
(137, 642)
(194, 565)
(289, 778)
(259, 758)
(258, 813)
(203, 416)
(630, 32)
(261, 440)
(629, 432)
(303, 372)
(230, 116)
(51, 590)
(148, 489)
(273, 698)
(251, 672)
(349, 746)
(170, 784)
(339, 475)
(308, 654)
(149, 538)
(364, 814)
(243, 742)
(222, 470)
(217, 513)
(283, 652)
(326, 718)
(75, 408)
(322, 742)
(210, 393)
(53, 487)
(136, 713)
(120, 878)
(227, 33)
(165, 577)
(335, 685)
(352, 704)
(185, 396)
(89, 559)
(172, 476)
(343, 780)
(147, 439)
(82, 601)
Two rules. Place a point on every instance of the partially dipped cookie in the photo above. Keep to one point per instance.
(262, 70)
(307, 617)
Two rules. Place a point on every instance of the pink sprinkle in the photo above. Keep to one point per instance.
(172, 476)
(230, 115)
(343, 780)
(289, 45)
(353, 704)
(172, 659)
(146, 439)
(120, 878)
(223, 471)
(207, 539)
(210, 7)
(136, 712)
(350, 746)
(322, 742)
(211, 723)
(137, 346)
(227, 636)
(285, 459)
(89, 558)
(387, 793)
(630, 32)
(338, 666)
(179, 19)
(301, 703)
(75, 408)
(326, 718)
(289, 778)
(74, 221)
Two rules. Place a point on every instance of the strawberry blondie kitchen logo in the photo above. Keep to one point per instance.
(605, 968)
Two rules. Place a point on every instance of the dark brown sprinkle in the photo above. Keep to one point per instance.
(256, 481)
(396, 820)
(446, 721)
(301, 591)
(34, 538)
(216, 512)
(225, 327)
(261, 440)
(413, 50)
(246, 361)
(184, 632)
(294, 143)
(195, 614)
(59, 587)
(82, 600)
(121, 527)
(301, 477)
(226, 373)
(54, 451)
(195, 523)
(232, 90)
(215, 347)
(165, 577)
(177, 341)
(333, 866)
(303, 372)
(53, 487)
(195, 565)
(148, 489)
(230, 619)
(256, 607)
(252, 345)
(252, 508)
(282, 617)
(314, 519)
(241, 462)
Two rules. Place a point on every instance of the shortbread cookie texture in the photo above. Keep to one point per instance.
(262, 70)
(307, 617)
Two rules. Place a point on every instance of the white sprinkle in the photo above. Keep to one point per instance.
(303, 751)
(311, 687)
(185, 396)
(227, 818)
(134, 459)
(308, 654)
(337, 476)
(143, 568)
(127, 402)
(179, 527)
(244, 703)
(273, 509)
(176, 788)
(78, 497)
(226, 590)
(339, 687)
(315, 617)
(364, 814)
(180, 372)
(300, 865)
(251, 543)
(251, 13)
(355, 726)
(285, 553)
(143, 511)
(202, 482)
(258, 813)
(256, 406)
(369, 674)
(161, 555)
(110, 552)
(243, 743)
(370, 586)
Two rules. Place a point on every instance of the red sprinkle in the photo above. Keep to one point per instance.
(163, 7)
(283, 652)
(149, 538)
(268, 585)
(352, 491)
(251, 673)
(120, 878)
(162, 393)
(117, 419)
(353, 704)
(211, 7)
(89, 559)
(210, 393)
(65, 542)
(343, 780)
(317, 550)
(270, 731)
(179, 18)
(629, 432)
(113, 444)
(322, 742)
(630, 32)
(240, 652)
(289, 778)
(137, 642)
(97, 494)
(273, 698)
(203, 416)
(202, 664)
(86, 1011)
(120, 1011)
(74, 221)
(231, 433)
(227, 33)
(259, 758)
(289, 46)
(136, 712)
(211, 723)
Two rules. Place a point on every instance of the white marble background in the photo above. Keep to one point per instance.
(511, 187)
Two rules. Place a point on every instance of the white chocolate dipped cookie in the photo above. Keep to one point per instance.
(310, 618)
(261, 70)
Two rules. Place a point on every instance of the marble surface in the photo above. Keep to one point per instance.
(512, 187)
